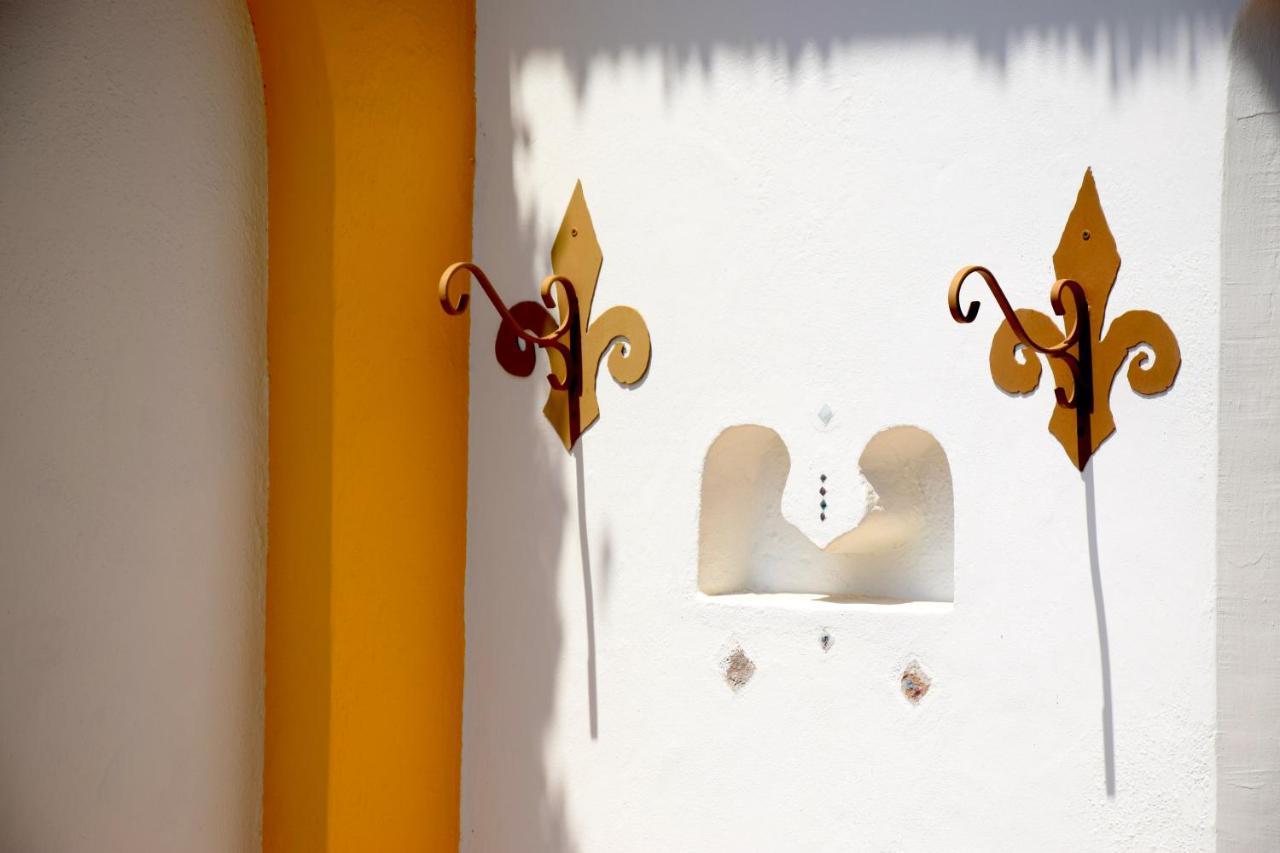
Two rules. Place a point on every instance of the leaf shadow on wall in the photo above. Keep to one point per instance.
(513, 592)
(519, 515)
(688, 35)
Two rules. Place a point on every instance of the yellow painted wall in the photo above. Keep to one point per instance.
(370, 126)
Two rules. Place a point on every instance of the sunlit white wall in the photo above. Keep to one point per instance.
(784, 192)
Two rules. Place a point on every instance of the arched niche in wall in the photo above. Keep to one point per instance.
(902, 550)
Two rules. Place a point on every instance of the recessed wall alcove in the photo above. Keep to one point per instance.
(902, 550)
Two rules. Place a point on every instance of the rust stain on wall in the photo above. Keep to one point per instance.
(915, 683)
(738, 669)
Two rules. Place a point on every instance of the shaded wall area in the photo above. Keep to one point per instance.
(132, 426)
(1248, 744)
(370, 123)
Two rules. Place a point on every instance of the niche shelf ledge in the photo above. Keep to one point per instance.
(818, 602)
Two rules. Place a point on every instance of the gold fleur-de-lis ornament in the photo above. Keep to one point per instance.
(575, 345)
(1084, 361)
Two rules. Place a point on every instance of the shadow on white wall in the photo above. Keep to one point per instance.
(901, 550)
(690, 36)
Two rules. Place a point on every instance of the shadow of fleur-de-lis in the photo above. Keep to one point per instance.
(1087, 254)
(576, 260)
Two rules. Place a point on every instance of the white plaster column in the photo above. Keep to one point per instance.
(132, 426)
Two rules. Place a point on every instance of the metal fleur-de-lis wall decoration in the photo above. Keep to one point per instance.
(575, 345)
(1084, 362)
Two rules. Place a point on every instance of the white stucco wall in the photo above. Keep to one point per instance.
(784, 192)
(1249, 445)
(132, 426)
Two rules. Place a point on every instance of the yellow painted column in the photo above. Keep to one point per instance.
(370, 126)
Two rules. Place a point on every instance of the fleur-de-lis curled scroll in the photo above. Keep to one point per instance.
(1084, 362)
(574, 344)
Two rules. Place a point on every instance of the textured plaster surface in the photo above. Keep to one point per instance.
(1248, 483)
(132, 426)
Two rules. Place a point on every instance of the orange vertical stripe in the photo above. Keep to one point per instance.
(370, 122)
